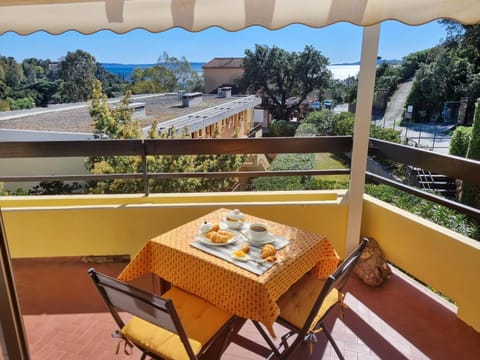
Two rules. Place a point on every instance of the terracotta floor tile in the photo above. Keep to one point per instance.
(376, 326)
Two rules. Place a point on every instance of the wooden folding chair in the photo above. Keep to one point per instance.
(304, 306)
(178, 325)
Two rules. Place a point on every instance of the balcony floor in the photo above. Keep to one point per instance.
(65, 319)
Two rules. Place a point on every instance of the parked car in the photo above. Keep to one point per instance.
(328, 104)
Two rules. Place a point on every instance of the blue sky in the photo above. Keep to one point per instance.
(339, 43)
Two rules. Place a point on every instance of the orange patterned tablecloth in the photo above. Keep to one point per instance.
(226, 285)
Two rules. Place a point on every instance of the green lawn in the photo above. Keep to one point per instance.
(328, 161)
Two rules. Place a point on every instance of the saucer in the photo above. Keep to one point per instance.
(269, 238)
(239, 227)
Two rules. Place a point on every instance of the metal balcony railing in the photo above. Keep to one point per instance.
(454, 167)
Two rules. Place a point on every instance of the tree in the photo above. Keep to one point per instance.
(447, 72)
(411, 63)
(11, 73)
(43, 91)
(285, 78)
(387, 77)
(77, 73)
(112, 85)
(185, 78)
(443, 79)
(156, 79)
(117, 124)
(114, 123)
(167, 75)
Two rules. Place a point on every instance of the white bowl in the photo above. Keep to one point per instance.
(258, 231)
(234, 225)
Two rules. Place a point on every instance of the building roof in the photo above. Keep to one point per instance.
(227, 63)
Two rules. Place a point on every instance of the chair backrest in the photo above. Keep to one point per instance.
(338, 279)
(120, 296)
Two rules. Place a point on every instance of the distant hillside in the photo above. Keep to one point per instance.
(124, 71)
(379, 61)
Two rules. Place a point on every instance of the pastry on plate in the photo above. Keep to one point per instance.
(245, 248)
(268, 250)
(220, 236)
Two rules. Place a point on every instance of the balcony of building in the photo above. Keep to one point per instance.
(53, 240)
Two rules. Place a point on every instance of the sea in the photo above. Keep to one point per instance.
(124, 71)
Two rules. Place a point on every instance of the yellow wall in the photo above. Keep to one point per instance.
(120, 224)
(109, 225)
(447, 261)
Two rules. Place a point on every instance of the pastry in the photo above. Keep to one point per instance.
(219, 236)
(268, 250)
(245, 248)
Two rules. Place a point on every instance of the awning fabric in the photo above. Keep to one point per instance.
(120, 16)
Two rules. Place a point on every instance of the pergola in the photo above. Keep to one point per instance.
(121, 16)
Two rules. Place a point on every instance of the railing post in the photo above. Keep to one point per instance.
(361, 134)
(146, 188)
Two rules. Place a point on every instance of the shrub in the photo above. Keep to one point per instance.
(438, 214)
(23, 103)
(323, 120)
(460, 140)
(280, 128)
(4, 105)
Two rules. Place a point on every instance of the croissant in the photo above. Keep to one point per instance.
(268, 250)
(219, 236)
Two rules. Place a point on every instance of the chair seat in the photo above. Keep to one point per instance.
(297, 303)
(200, 319)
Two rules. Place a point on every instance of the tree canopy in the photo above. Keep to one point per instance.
(37, 82)
(77, 72)
(285, 78)
(448, 72)
(167, 75)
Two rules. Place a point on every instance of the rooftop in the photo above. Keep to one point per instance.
(75, 117)
(226, 63)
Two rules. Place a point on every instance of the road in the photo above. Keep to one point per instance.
(396, 104)
(431, 136)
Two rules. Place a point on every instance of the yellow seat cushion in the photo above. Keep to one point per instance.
(200, 319)
(297, 303)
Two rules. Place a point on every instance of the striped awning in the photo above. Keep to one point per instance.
(120, 16)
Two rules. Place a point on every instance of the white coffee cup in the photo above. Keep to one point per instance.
(258, 231)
